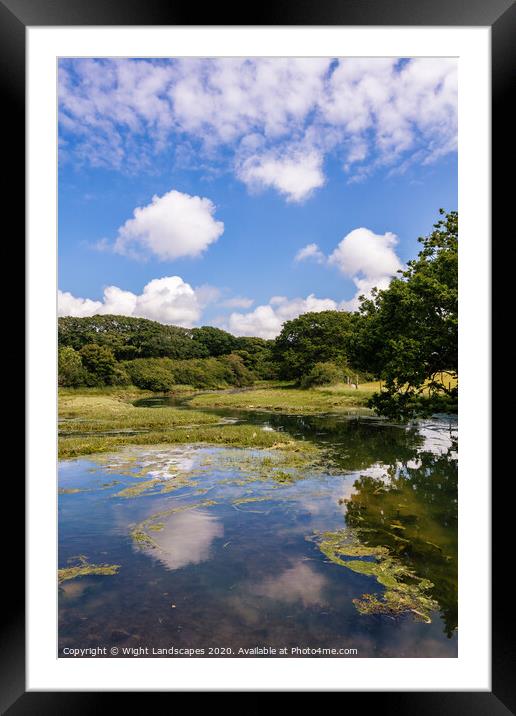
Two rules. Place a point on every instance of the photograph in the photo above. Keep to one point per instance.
(257, 357)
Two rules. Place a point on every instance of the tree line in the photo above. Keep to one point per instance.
(405, 336)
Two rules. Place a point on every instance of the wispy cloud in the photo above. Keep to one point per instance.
(310, 252)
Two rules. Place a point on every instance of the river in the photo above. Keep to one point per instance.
(238, 552)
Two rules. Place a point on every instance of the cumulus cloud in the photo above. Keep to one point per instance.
(68, 305)
(266, 320)
(171, 226)
(253, 115)
(310, 252)
(167, 300)
(294, 175)
(369, 259)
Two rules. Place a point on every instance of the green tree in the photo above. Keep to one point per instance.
(151, 373)
(70, 368)
(312, 338)
(129, 337)
(214, 341)
(99, 361)
(407, 333)
(257, 356)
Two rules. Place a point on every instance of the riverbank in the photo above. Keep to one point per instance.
(287, 398)
(93, 421)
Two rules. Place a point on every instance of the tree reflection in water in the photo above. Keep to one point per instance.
(412, 512)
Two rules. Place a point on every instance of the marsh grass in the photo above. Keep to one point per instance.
(289, 399)
(88, 418)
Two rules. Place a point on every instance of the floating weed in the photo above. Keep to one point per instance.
(75, 490)
(405, 591)
(244, 500)
(84, 568)
(394, 602)
(282, 477)
(135, 490)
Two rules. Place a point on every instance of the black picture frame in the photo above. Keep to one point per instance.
(500, 15)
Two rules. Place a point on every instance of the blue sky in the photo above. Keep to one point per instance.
(190, 190)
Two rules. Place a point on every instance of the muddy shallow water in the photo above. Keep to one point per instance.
(232, 549)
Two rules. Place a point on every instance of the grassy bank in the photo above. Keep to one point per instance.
(289, 399)
(96, 420)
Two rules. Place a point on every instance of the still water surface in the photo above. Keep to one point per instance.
(221, 547)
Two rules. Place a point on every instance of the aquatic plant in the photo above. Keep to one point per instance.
(405, 591)
(84, 568)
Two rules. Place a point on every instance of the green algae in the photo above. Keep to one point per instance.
(405, 591)
(84, 568)
(76, 490)
(282, 477)
(395, 602)
(245, 500)
(280, 466)
(135, 490)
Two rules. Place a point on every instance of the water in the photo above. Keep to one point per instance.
(224, 548)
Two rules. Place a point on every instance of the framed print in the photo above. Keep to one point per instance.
(248, 310)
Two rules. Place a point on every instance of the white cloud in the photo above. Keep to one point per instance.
(167, 300)
(266, 320)
(68, 305)
(410, 107)
(295, 175)
(186, 538)
(310, 251)
(238, 302)
(369, 259)
(253, 115)
(299, 583)
(171, 226)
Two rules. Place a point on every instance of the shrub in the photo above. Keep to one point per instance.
(70, 369)
(240, 375)
(212, 372)
(99, 361)
(120, 376)
(323, 374)
(150, 373)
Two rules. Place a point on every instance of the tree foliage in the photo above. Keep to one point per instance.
(129, 337)
(215, 341)
(257, 356)
(407, 333)
(70, 369)
(151, 373)
(99, 362)
(312, 338)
